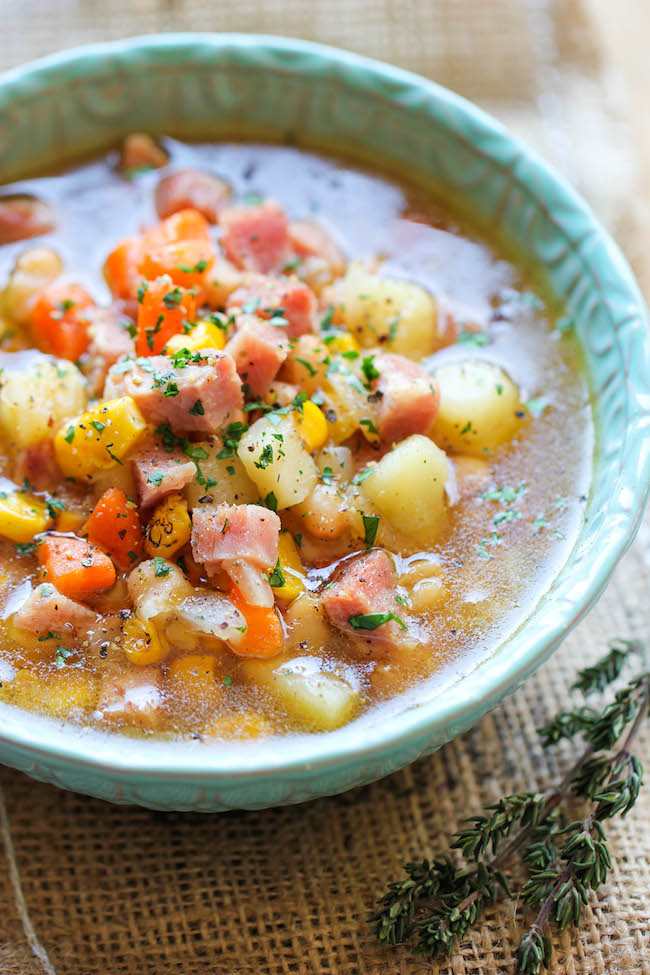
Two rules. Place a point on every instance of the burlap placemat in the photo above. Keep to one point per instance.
(87, 888)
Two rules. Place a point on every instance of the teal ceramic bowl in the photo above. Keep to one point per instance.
(215, 85)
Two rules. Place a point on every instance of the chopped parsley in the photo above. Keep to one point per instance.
(370, 526)
(537, 405)
(510, 515)
(474, 339)
(369, 425)
(62, 653)
(362, 475)
(173, 298)
(540, 522)
(161, 566)
(230, 439)
(98, 425)
(53, 505)
(25, 548)
(271, 501)
(198, 268)
(372, 621)
(291, 265)
(276, 579)
(171, 389)
(308, 366)
(369, 369)
(505, 494)
(327, 475)
(266, 457)
(197, 409)
(227, 681)
(156, 478)
(69, 434)
(326, 320)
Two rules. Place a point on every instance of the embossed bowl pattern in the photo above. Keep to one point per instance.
(212, 85)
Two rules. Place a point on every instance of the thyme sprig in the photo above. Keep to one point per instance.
(438, 900)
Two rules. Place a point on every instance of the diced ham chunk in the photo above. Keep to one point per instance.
(284, 297)
(191, 189)
(46, 610)
(37, 464)
(228, 532)
(256, 238)
(259, 349)
(365, 586)
(409, 398)
(308, 239)
(208, 395)
(109, 341)
(22, 217)
(132, 697)
(158, 473)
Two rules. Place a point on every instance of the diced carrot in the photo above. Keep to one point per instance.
(263, 637)
(185, 224)
(74, 565)
(58, 320)
(187, 262)
(114, 526)
(121, 268)
(164, 307)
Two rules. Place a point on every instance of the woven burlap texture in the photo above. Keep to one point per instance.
(91, 889)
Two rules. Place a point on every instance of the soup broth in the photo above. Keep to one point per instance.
(281, 440)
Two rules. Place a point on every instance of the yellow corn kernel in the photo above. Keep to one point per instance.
(22, 516)
(141, 643)
(311, 425)
(343, 342)
(70, 521)
(291, 566)
(169, 529)
(205, 335)
(99, 438)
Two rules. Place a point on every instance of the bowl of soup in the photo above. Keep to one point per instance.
(323, 418)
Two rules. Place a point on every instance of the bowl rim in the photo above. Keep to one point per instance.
(486, 686)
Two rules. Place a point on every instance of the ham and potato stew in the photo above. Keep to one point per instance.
(279, 440)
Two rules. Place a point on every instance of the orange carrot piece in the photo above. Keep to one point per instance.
(164, 307)
(74, 565)
(114, 526)
(185, 224)
(58, 321)
(187, 262)
(121, 268)
(263, 637)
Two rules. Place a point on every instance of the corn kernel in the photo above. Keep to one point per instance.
(343, 342)
(169, 529)
(141, 642)
(204, 336)
(311, 425)
(99, 438)
(292, 569)
(22, 516)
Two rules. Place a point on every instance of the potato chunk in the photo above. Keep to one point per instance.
(36, 393)
(479, 407)
(407, 487)
(307, 690)
(276, 460)
(399, 315)
(223, 479)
